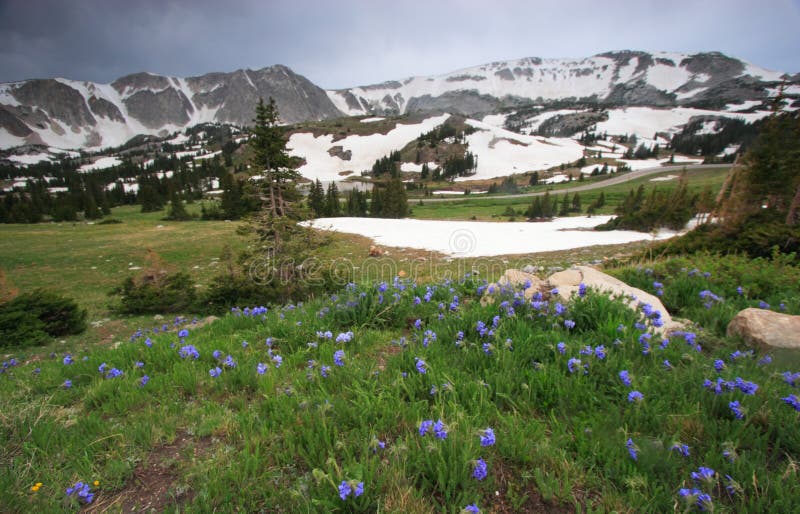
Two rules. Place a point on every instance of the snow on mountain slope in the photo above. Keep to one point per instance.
(646, 121)
(365, 150)
(501, 152)
(660, 77)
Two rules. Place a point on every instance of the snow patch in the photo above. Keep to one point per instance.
(479, 239)
(365, 150)
(100, 164)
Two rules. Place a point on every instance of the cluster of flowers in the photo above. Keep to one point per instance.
(82, 491)
(348, 487)
(439, 429)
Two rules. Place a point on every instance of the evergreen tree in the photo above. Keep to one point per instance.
(90, 210)
(576, 202)
(395, 202)
(316, 199)
(332, 206)
(565, 204)
(177, 211)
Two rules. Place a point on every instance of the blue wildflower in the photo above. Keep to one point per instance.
(569, 324)
(344, 490)
(338, 357)
(422, 367)
(84, 493)
(573, 364)
(344, 337)
(67, 384)
(792, 400)
(633, 450)
(635, 396)
(440, 430)
(68, 359)
(681, 448)
(487, 438)
(278, 360)
(229, 362)
(562, 348)
(703, 474)
(189, 351)
(719, 364)
(479, 471)
(581, 289)
(143, 381)
(736, 407)
(215, 372)
(471, 509)
(600, 352)
(425, 426)
(625, 377)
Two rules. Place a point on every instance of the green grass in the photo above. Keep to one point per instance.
(488, 208)
(284, 440)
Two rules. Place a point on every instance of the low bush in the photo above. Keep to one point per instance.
(156, 290)
(34, 318)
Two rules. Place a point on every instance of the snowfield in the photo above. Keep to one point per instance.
(365, 149)
(483, 239)
(502, 152)
(646, 121)
(100, 164)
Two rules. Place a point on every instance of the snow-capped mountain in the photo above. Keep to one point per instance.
(615, 78)
(72, 114)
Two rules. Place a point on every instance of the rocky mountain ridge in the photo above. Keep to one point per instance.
(627, 78)
(73, 114)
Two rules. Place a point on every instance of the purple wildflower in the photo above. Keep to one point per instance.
(480, 470)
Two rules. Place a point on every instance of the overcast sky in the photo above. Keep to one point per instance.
(345, 43)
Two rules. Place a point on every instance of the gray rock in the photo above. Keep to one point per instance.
(759, 326)
(154, 110)
(58, 100)
(565, 125)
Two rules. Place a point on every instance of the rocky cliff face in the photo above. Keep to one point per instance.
(68, 113)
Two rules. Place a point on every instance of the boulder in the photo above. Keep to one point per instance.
(567, 283)
(765, 327)
(514, 279)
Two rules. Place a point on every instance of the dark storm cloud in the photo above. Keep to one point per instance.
(353, 42)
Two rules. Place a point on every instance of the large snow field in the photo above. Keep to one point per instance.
(483, 239)
(502, 152)
(365, 149)
(646, 121)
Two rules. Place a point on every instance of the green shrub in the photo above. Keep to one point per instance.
(32, 319)
(156, 293)
(156, 290)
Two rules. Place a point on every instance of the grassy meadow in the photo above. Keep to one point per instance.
(396, 397)
(402, 391)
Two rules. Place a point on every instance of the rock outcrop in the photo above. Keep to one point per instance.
(567, 284)
(759, 326)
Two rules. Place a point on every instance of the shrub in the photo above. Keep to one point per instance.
(33, 318)
(156, 290)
